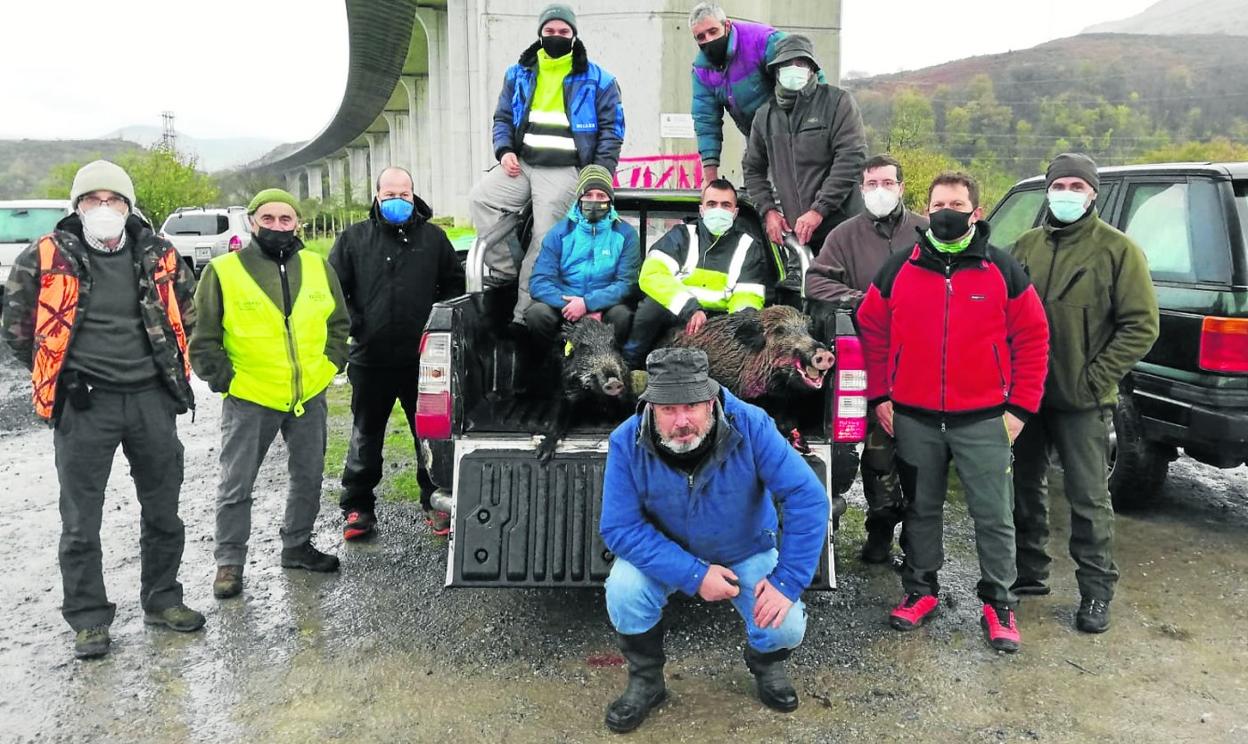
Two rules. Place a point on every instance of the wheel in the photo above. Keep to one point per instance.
(1137, 467)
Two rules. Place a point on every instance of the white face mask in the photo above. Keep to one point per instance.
(103, 223)
(881, 201)
(793, 77)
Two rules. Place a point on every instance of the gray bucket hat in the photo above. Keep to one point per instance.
(678, 376)
(791, 47)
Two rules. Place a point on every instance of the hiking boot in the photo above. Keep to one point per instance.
(914, 610)
(91, 643)
(646, 689)
(179, 617)
(359, 524)
(1030, 588)
(1093, 616)
(879, 547)
(228, 582)
(774, 687)
(1000, 629)
(438, 521)
(309, 558)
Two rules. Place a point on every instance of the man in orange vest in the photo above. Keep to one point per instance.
(108, 372)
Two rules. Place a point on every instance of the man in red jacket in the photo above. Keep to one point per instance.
(957, 349)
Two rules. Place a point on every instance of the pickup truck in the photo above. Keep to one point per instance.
(518, 522)
(1191, 390)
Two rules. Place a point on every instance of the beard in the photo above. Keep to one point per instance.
(682, 447)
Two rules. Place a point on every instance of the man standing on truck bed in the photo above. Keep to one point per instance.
(689, 504)
(1102, 312)
(557, 113)
(807, 146)
(99, 310)
(272, 333)
(392, 267)
(839, 278)
(711, 266)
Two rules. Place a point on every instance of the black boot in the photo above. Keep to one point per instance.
(879, 546)
(645, 690)
(774, 687)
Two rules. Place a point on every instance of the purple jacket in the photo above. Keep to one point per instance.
(741, 87)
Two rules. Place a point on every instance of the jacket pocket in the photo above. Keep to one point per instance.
(892, 382)
(996, 355)
(1067, 386)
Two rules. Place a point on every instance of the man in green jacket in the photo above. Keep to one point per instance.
(272, 334)
(1102, 313)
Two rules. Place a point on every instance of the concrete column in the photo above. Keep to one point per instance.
(378, 155)
(337, 165)
(294, 183)
(419, 121)
(361, 184)
(316, 183)
(456, 68)
(400, 124)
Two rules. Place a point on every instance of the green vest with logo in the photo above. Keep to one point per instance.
(279, 362)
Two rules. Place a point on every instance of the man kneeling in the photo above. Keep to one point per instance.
(688, 506)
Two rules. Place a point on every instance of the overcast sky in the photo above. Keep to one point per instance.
(248, 68)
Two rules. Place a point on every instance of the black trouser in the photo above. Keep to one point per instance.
(373, 393)
(144, 423)
(544, 322)
(880, 485)
(649, 323)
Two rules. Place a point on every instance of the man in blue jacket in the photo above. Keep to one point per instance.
(588, 265)
(557, 113)
(688, 506)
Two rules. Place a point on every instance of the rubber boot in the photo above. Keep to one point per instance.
(774, 687)
(644, 653)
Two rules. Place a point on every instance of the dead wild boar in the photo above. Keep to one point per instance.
(593, 381)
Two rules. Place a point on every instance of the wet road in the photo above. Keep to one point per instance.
(382, 652)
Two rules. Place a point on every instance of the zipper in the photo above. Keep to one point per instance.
(1073, 281)
(1048, 284)
(296, 381)
(1000, 371)
(944, 344)
(896, 367)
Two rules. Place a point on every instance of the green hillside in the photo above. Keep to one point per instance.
(25, 164)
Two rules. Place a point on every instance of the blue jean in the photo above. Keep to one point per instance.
(635, 602)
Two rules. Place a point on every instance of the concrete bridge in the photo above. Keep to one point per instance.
(424, 77)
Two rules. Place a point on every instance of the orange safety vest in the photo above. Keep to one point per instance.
(57, 310)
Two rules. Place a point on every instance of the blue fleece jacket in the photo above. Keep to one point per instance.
(597, 261)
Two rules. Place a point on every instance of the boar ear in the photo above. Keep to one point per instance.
(749, 332)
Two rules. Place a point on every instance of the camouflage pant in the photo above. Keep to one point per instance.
(880, 485)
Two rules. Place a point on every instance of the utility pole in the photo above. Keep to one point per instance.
(169, 136)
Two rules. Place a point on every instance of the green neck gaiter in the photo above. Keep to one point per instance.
(955, 247)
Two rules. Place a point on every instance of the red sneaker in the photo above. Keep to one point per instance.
(359, 524)
(439, 522)
(914, 610)
(1000, 628)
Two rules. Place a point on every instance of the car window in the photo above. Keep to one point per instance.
(1015, 216)
(660, 222)
(196, 223)
(25, 225)
(1181, 229)
(1241, 206)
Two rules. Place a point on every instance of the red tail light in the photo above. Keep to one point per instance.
(849, 416)
(433, 401)
(236, 243)
(1224, 345)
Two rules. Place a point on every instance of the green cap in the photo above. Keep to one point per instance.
(272, 195)
(594, 176)
(556, 12)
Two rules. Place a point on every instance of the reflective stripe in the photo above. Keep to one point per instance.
(691, 256)
(664, 259)
(705, 295)
(556, 118)
(754, 289)
(549, 141)
(738, 262)
(679, 301)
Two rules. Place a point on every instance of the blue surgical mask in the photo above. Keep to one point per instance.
(396, 211)
(718, 220)
(1067, 206)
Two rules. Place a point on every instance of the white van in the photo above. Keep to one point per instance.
(21, 223)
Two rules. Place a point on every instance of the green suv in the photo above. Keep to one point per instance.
(1191, 390)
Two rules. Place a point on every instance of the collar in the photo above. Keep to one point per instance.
(1064, 231)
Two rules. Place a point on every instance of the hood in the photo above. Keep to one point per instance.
(580, 58)
(420, 214)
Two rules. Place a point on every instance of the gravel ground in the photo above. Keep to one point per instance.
(382, 652)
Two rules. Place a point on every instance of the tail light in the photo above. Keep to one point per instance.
(236, 244)
(433, 401)
(849, 391)
(1224, 345)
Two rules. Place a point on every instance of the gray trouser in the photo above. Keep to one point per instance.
(1081, 439)
(247, 430)
(981, 453)
(550, 190)
(145, 425)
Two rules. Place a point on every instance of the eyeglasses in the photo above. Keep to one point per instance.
(91, 202)
(889, 184)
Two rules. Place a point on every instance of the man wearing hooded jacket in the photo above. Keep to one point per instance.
(393, 267)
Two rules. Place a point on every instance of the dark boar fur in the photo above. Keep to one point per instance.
(766, 357)
(593, 381)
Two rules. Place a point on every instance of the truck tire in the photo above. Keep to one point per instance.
(1137, 467)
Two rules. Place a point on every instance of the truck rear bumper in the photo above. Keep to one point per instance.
(1216, 434)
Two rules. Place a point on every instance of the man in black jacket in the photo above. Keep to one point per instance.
(393, 267)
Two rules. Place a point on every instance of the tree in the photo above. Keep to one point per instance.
(919, 167)
(163, 181)
(1217, 150)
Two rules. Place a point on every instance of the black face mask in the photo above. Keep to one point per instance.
(278, 244)
(595, 211)
(556, 46)
(949, 224)
(716, 50)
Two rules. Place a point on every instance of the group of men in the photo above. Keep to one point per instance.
(978, 356)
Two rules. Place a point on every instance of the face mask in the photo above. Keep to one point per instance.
(716, 50)
(1067, 206)
(556, 46)
(103, 223)
(278, 243)
(595, 211)
(793, 77)
(718, 220)
(881, 201)
(396, 211)
(947, 225)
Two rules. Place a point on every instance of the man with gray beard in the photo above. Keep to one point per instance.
(688, 506)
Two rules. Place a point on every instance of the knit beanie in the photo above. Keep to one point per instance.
(595, 176)
(1073, 164)
(101, 175)
(556, 12)
(272, 195)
